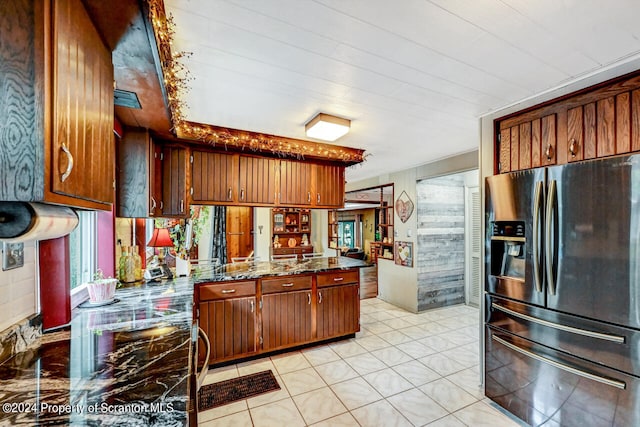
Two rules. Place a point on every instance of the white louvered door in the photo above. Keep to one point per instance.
(473, 232)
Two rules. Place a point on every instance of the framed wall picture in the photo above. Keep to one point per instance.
(404, 253)
(404, 207)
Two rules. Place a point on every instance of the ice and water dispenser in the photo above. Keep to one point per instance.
(508, 250)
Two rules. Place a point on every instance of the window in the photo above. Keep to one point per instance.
(82, 249)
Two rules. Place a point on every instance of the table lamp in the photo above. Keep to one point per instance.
(161, 239)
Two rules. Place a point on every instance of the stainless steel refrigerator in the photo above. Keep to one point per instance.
(562, 301)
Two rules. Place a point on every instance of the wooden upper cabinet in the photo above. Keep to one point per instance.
(528, 144)
(139, 180)
(57, 105)
(329, 186)
(174, 185)
(504, 150)
(83, 142)
(257, 183)
(295, 183)
(220, 178)
(214, 177)
(602, 127)
(592, 123)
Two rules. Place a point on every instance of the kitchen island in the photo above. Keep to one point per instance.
(130, 362)
(249, 310)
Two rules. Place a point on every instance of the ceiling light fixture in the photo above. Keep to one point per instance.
(326, 127)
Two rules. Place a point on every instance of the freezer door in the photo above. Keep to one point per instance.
(599, 342)
(511, 198)
(543, 386)
(593, 235)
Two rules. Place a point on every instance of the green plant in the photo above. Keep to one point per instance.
(177, 229)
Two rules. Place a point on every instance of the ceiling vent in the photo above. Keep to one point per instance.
(124, 98)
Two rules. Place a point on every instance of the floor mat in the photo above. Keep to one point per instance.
(223, 392)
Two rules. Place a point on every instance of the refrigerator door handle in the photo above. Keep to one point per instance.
(537, 207)
(551, 196)
(608, 381)
(592, 334)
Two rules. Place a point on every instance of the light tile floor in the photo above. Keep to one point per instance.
(402, 369)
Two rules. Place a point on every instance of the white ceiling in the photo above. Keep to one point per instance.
(414, 76)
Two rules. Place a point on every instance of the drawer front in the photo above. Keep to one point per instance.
(337, 278)
(285, 284)
(224, 290)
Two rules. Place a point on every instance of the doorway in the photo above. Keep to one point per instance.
(448, 240)
(239, 231)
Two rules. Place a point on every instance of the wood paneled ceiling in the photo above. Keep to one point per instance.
(414, 76)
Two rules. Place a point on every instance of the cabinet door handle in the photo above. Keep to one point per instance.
(287, 285)
(181, 205)
(319, 297)
(338, 279)
(549, 151)
(153, 204)
(309, 298)
(161, 205)
(229, 194)
(309, 196)
(251, 302)
(318, 198)
(242, 194)
(67, 172)
(573, 149)
(228, 291)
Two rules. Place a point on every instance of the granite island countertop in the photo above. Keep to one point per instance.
(124, 364)
(243, 271)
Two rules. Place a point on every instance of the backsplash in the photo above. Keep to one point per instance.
(19, 337)
(18, 290)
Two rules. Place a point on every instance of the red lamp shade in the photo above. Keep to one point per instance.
(160, 239)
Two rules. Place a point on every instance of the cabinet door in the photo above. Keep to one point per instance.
(214, 177)
(139, 179)
(329, 186)
(82, 143)
(257, 180)
(174, 190)
(230, 325)
(155, 181)
(286, 319)
(295, 183)
(338, 311)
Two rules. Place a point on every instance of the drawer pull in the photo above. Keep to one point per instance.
(592, 334)
(287, 285)
(338, 279)
(608, 381)
(228, 291)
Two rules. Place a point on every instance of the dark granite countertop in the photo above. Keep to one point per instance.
(257, 270)
(128, 363)
(124, 364)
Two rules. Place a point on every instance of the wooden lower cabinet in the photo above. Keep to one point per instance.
(247, 317)
(338, 311)
(228, 315)
(286, 319)
(231, 327)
